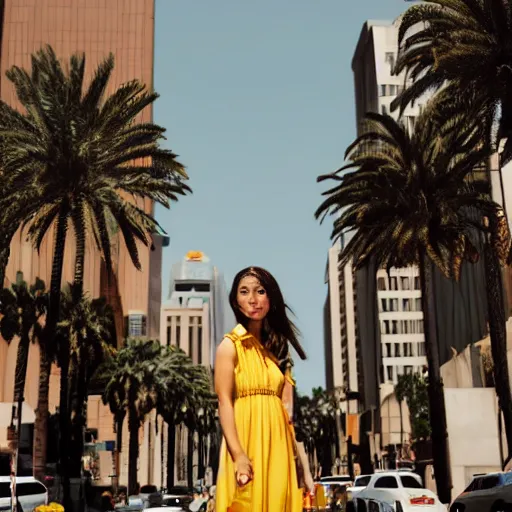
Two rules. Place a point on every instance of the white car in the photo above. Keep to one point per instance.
(360, 484)
(31, 492)
(399, 491)
(486, 493)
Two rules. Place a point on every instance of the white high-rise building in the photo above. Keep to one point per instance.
(399, 296)
(340, 327)
(401, 322)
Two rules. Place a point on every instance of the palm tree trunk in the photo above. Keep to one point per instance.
(41, 421)
(133, 452)
(78, 419)
(64, 423)
(119, 447)
(171, 454)
(436, 400)
(496, 313)
(190, 457)
(80, 257)
(401, 428)
(49, 334)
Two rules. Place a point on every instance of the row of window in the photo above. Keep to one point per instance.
(402, 327)
(392, 372)
(390, 90)
(396, 283)
(407, 349)
(407, 304)
(195, 335)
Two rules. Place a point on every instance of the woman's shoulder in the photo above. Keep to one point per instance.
(238, 333)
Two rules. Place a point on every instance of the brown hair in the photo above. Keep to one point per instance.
(278, 329)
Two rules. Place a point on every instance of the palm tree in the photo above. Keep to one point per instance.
(405, 198)
(21, 309)
(466, 46)
(188, 401)
(87, 330)
(135, 383)
(82, 159)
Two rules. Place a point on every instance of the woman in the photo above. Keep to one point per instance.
(253, 381)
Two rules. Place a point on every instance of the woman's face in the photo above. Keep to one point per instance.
(252, 299)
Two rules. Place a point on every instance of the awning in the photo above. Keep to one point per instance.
(27, 414)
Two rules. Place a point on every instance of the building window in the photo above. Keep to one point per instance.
(384, 110)
(386, 327)
(406, 305)
(178, 331)
(393, 285)
(392, 90)
(408, 349)
(390, 60)
(404, 283)
(420, 327)
(417, 285)
(383, 90)
(381, 284)
(388, 350)
(384, 304)
(397, 349)
(418, 304)
(389, 370)
(408, 370)
(421, 349)
(394, 304)
(394, 327)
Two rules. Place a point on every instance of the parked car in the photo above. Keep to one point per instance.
(360, 484)
(491, 492)
(31, 493)
(178, 496)
(397, 490)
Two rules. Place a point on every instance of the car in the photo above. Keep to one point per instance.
(31, 492)
(491, 492)
(178, 496)
(360, 484)
(397, 490)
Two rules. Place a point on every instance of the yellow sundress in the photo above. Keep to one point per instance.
(264, 431)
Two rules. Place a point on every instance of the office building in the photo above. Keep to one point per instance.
(97, 28)
(401, 323)
(195, 318)
(341, 338)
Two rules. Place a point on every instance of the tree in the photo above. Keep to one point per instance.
(74, 156)
(413, 388)
(21, 308)
(189, 400)
(86, 330)
(466, 46)
(145, 376)
(407, 200)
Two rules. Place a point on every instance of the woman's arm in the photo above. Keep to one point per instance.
(287, 398)
(225, 361)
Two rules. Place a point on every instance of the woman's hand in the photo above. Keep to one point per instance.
(243, 469)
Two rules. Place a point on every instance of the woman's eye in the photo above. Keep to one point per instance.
(261, 292)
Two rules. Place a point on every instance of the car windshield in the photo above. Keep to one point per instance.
(180, 491)
(362, 481)
(148, 489)
(409, 482)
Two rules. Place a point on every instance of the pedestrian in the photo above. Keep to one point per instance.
(259, 467)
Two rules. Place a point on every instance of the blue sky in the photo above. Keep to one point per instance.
(258, 100)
